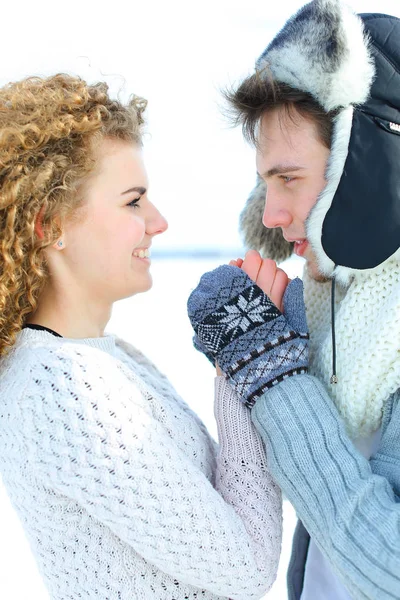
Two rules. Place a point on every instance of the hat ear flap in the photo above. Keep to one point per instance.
(269, 242)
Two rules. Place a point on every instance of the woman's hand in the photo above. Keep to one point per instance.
(266, 274)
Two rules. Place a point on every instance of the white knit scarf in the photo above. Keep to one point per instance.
(367, 325)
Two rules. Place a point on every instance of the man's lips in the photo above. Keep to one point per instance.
(300, 245)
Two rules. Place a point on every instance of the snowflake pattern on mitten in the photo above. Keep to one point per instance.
(245, 332)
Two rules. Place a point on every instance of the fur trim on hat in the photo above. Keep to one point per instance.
(314, 223)
(322, 50)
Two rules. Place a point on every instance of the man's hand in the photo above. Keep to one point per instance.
(266, 274)
(244, 332)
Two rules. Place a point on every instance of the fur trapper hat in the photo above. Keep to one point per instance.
(349, 63)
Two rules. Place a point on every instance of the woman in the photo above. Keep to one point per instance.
(122, 492)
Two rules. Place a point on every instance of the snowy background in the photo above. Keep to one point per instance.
(178, 55)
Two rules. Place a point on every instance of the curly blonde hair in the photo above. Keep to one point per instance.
(49, 128)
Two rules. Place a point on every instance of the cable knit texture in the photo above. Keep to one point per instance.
(352, 514)
(367, 328)
(121, 491)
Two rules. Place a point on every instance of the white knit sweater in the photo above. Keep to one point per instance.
(367, 343)
(121, 491)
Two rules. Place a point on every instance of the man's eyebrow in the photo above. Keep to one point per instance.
(139, 189)
(280, 170)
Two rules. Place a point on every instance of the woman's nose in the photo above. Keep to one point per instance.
(157, 224)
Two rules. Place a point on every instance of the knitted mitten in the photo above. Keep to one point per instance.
(255, 345)
(201, 348)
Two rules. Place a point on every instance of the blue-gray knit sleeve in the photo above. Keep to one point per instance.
(350, 512)
(386, 461)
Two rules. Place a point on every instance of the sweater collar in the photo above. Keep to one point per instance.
(39, 337)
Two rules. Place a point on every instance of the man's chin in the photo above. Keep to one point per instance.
(314, 272)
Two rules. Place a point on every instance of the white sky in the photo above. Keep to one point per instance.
(177, 54)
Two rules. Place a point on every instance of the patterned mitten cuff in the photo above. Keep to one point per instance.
(251, 340)
(201, 348)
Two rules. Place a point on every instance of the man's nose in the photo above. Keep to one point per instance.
(275, 212)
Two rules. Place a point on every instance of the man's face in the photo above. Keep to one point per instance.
(291, 159)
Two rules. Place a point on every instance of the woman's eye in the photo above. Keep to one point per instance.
(134, 202)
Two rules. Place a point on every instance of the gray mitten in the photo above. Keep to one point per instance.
(201, 348)
(255, 345)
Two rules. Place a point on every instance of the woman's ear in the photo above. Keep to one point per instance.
(39, 224)
(59, 244)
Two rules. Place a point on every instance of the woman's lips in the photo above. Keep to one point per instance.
(142, 253)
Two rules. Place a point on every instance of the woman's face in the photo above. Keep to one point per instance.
(107, 245)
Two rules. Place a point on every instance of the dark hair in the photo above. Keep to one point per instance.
(259, 93)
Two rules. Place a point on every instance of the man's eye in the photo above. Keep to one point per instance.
(134, 202)
(287, 179)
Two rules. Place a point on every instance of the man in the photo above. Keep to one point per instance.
(323, 108)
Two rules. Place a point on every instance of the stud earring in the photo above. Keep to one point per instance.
(60, 244)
